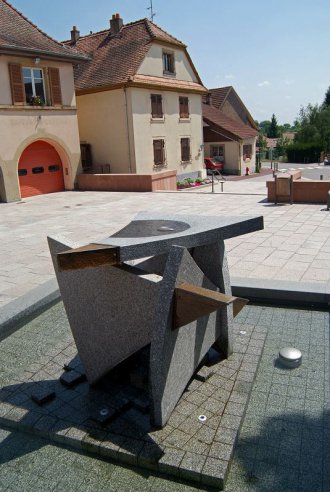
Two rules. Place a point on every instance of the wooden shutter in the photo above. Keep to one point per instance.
(185, 149)
(158, 152)
(184, 109)
(55, 86)
(16, 84)
(156, 106)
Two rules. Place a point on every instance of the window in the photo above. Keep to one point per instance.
(185, 150)
(184, 107)
(28, 85)
(156, 106)
(159, 152)
(22, 172)
(53, 168)
(168, 63)
(37, 170)
(217, 151)
(34, 86)
(247, 151)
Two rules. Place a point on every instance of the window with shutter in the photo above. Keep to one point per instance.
(156, 106)
(185, 150)
(247, 151)
(55, 86)
(16, 84)
(184, 107)
(159, 152)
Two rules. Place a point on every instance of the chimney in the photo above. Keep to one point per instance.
(75, 35)
(116, 23)
(208, 99)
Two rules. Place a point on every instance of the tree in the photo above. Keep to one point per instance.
(264, 126)
(273, 131)
(327, 98)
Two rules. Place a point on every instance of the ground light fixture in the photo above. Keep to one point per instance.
(290, 357)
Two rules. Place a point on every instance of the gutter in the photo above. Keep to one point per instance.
(9, 50)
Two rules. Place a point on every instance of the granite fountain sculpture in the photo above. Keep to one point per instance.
(162, 280)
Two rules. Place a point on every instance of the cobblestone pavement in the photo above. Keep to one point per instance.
(284, 440)
(293, 246)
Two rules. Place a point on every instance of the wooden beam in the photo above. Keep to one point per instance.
(92, 255)
(192, 302)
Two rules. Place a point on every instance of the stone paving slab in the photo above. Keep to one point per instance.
(293, 246)
(184, 448)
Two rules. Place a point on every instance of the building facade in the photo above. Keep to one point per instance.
(39, 145)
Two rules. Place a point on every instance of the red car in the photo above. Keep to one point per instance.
(212, 164)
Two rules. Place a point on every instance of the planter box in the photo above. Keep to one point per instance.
(161, 181)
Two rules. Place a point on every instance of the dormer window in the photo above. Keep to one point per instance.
(168, 63)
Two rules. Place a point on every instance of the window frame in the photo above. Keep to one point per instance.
(34, 94)
(185, 157)
(163, 152)
(168, 59)
(155, 105)
(182, 114)
(248, 152)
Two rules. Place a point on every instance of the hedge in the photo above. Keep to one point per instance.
(303, 153)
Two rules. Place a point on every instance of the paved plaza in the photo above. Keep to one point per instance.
(283, 442)
(294, 245)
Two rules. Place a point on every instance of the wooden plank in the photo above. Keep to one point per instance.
(192, 302)
(89, 256)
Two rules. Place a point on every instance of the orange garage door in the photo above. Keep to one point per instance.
(40, 170)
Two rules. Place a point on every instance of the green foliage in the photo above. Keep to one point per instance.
(273, 131)
(326, 101)
(264, 126)
(314, 126)
(303, 152)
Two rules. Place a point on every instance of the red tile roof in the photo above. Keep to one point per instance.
(170, 83)
(18, 34)
(219, 95)
(217, 118)
(115, 59)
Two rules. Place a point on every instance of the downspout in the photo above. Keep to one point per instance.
(240, 157)
(128, 135)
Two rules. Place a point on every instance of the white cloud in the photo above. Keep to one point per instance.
(289, 81)
(230, 76)
(264, 83)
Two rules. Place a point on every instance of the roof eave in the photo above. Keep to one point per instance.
(9, 50)
(139, 85)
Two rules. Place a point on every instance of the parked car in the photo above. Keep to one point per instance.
(213, 164)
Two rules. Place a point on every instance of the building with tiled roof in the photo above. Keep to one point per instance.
(229, 130)
(39, 145)
(139, 100)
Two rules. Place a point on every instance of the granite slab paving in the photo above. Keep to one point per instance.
(283, 443)
(293, 246)
(186, 447)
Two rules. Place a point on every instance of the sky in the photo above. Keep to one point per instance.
(276, 54)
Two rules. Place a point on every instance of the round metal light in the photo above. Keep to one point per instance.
(104, 412)
(290, 357)
(202, 418)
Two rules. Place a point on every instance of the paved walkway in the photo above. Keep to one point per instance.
(294, 245)
(283, 444)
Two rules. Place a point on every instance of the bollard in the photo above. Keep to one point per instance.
(212, 182)
(321, 177)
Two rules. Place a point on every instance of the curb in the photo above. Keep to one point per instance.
(16, 313)
(274, 292)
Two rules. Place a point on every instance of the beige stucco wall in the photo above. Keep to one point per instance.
(19, 128)
(153, 63)
(170, 128)
(66, 78)
(22, 125)
(105, 124)
(233, 153)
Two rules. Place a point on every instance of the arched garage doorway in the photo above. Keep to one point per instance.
(40, 170)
